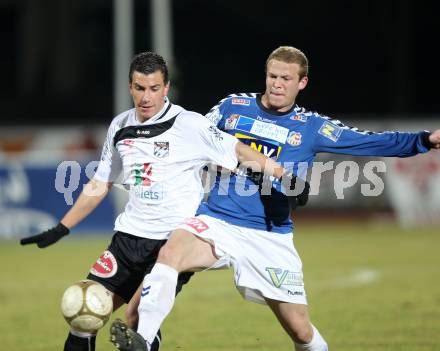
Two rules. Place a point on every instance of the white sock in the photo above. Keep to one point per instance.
(316, 344)
(157, 299)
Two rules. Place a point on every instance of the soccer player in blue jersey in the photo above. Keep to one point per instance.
(252, 231)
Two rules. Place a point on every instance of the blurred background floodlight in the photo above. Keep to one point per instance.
(123, 52)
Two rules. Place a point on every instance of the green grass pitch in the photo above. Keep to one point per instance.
(369, 288)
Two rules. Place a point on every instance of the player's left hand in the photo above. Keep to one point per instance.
(434, 139)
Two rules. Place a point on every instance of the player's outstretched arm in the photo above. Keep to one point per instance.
(434, 139)
(257, 161)
(297, 190)
(93, 193)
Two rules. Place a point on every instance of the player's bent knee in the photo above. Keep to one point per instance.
(173, 252)
(169, 255)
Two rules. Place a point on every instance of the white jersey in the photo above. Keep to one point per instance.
(160, 161)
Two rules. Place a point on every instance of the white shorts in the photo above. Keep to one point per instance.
(265, 264)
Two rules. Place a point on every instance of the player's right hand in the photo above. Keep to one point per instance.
(48, 237)
(303, 197)
(300, 189)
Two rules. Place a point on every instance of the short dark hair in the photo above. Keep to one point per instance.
(146, 63)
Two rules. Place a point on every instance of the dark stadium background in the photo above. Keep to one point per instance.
(366, 56)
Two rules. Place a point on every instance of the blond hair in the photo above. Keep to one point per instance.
(289, 54)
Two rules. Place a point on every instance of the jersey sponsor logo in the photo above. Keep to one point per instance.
(142, 174)
(269, 149)
(237, 101)
(262, 129)
(294, 138)
(161, 149)
(280, 277)
(144, 187)
(197, 224)
(153, 193)
(231, 121)
(300, 118)
(330, 131)
(105, 266)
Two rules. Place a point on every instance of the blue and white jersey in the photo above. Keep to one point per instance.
(293, 139)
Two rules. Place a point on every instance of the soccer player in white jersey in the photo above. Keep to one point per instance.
(253, 233)
(159, 148)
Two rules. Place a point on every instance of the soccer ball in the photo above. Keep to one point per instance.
(86, 306)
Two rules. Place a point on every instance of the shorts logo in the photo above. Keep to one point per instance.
(105, 266)
(197, 224)
(281, 277)
(244, 102)
(161, 149)
(294, 138)
(330, 131)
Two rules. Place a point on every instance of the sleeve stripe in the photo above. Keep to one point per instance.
(343, 126)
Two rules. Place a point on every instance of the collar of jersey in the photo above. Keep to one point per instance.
(167, 112)
(295, 108)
